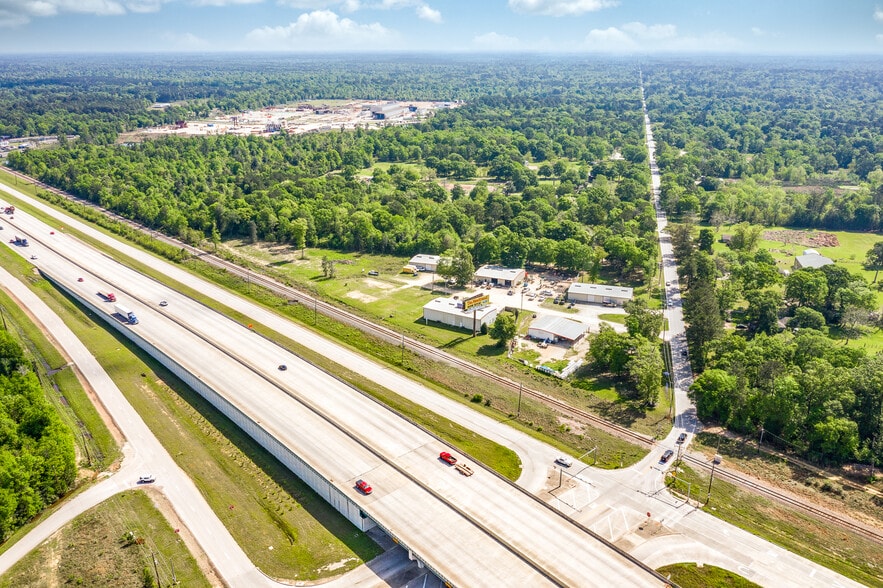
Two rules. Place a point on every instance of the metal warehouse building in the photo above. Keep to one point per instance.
(599, 293)
(425, 263)
(470, 314)
(500, 276)
(554, 328)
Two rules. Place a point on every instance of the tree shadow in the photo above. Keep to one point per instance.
(493, 350)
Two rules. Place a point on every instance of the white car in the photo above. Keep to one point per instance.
(564, 461)
(148, 479)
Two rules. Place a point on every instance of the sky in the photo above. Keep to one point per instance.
(762, 27)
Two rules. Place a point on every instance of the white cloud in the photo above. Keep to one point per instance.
(223, 2)
(879, 38)
(609, 40)
(878, 14)
(757, 31)
(637, 37)
(427, 13)
(17, 13)
(496, 42)
(560, 7)
(322, 30)
(640, 30)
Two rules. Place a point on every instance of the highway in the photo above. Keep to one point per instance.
(474, 531)
(607, 495)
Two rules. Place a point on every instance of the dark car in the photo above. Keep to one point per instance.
(364, 486)
(666, 456)
(447, 457)
(283, 367)
(682, 437)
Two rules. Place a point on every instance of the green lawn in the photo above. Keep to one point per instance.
(113, 544)
(690, 575)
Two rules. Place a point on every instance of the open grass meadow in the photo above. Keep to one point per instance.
(112, 544)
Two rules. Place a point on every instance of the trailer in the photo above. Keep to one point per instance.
(127, 314)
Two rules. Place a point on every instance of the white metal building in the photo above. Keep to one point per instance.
(554, 328)
(500, 276)
(425, 263)
(811, 260)
(451, 312)
(599, 293)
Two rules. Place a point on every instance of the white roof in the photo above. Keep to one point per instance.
(498, 272)
(449, 306)
(601, 290)
(814, 260)
(560, 327)
(422, 258)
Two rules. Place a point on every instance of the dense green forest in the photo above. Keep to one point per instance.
(785, 125)
(544, 163)
(37, 459)
(537, 151)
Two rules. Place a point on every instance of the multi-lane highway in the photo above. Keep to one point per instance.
(479, 530)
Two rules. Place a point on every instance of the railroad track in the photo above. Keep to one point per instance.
(370, 327)
(781, 497)
(431, 352)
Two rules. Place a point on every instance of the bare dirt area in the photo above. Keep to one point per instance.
(360, 296)
(804, 238)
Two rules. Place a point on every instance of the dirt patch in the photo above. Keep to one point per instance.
(378, 284)
(804, 238)
(360, 296)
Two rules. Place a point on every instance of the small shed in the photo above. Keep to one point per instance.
(599, 293)
(500, 276)
(460, 314)
(554, 328)
(425, 263)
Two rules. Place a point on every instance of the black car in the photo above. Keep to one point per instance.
(283, 367)
(666, 456)
(682, 437)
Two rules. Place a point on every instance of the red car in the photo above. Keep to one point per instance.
(445, 456)
(364, 487)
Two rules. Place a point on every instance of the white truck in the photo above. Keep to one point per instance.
(127, 314)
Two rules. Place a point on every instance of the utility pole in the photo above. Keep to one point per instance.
(403, 349)
(520, 390)
(714, 462)
(156, 569)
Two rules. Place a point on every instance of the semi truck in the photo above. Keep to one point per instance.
(127, 314)
(108, 297)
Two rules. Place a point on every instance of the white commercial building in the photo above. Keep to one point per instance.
(470, 313)
(500, 276)
(554, 328)
(425, 263)
(599, 293)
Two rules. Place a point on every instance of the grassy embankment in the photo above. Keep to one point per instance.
(689, 575)
(842, 551)
(112, 544)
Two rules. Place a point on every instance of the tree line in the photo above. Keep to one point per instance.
(37, 458)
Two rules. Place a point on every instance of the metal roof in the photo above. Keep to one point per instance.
(813, 260)
(560, 327)
(455, 307)
(498, 272)
(601, 290)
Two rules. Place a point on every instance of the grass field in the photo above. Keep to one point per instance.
(689, 575)
(112, 544)
(842, 551)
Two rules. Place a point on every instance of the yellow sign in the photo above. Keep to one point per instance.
(478, 300)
